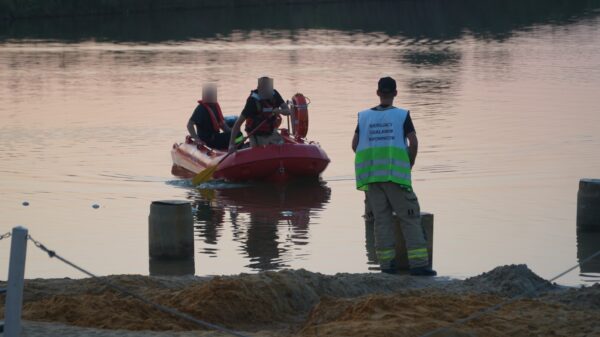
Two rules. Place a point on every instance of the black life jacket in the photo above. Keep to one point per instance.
(264, 110)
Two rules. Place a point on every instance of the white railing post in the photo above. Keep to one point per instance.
(14, 287)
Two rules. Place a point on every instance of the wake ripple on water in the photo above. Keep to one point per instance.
(209, 185)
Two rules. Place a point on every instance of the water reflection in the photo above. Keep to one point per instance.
(432, 57)
(268, 221)
(480, 103)
(172, 267)
(208, 220)
(588, 243)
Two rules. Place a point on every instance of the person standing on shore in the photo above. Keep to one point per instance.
(383, 164)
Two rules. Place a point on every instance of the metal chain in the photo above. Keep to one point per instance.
(160, 307)
(41, 246)
(5, 235)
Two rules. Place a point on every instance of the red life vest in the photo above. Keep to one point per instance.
(216, 119)
(264, 110)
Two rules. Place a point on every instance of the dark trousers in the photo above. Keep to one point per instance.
(220, 141)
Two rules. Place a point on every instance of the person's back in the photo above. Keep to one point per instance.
(383, 164)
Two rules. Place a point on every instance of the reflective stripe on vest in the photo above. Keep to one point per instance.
(381, 154)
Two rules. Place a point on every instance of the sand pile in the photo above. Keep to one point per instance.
(416, 313)
(298, 302)
(248, 302)
(509, 281)
(40, 288)
(107, 311)
(582, 298)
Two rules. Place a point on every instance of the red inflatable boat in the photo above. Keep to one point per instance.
(296, 158)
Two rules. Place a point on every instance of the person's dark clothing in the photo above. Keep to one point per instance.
(205, 129)
(254, 117)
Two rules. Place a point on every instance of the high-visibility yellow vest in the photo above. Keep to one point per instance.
(382, 153)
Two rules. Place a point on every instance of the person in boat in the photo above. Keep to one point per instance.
(207, 121)
(264, 103)
(385, 143)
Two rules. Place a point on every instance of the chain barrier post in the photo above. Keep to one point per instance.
(16, 276)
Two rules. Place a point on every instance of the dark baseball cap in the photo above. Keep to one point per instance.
(386, 85)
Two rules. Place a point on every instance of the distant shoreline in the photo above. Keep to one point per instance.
(24, 9)
(151, 22)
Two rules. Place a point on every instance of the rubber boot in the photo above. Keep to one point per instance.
(422, 271)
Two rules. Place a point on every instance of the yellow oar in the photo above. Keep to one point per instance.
(207, 174)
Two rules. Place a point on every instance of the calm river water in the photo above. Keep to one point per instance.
(504, 96)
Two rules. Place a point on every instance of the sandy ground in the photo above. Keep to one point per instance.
(301, 303)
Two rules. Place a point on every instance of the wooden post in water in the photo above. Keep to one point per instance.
(171, 231)
(401, 255)
(14, 286)
(588, 205)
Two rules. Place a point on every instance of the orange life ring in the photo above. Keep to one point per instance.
(300, 115)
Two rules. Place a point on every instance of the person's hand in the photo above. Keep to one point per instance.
(232, 148)
(284, 110)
